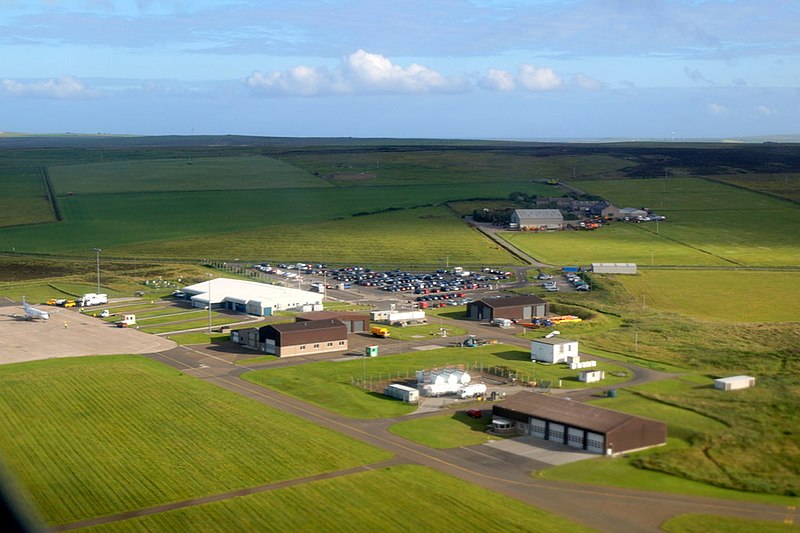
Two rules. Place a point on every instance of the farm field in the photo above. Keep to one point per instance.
(426, 494)
(727, 295)
(420, 236)
(180, 174)
(783, 185)
(23, 198)
(738, 226)
(336, 385)
(615, 243)
(100, 426)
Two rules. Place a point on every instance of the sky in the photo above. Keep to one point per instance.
(485, 69)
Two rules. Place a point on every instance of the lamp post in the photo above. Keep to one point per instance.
(210, 277)
(97, 251)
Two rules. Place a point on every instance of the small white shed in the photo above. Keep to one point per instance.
(735, 383)
(591, 376)
(553, 350)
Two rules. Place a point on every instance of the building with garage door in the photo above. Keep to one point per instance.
(355, 322)
(513, 307)
(304, 337)
(250, 297)
(537, 219)
(581, 426)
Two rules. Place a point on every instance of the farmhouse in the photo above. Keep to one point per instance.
(605, 210)
(512, 307)
(355, 322)
(304, 337)
(537, 218)
(614, 268)
(579, 425)
(553, 350)
(250, 297)
(735, 383)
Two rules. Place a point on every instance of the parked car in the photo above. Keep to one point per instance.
(475, 413)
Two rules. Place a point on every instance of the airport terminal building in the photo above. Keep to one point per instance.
(251, 297)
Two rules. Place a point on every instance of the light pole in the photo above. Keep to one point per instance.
(210, 277)
(97, 251)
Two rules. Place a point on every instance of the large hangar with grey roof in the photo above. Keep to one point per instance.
(251, 297)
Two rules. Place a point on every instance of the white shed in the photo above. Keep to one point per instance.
(553, 350)
(735, 383)
(614, 268)
(591, 376)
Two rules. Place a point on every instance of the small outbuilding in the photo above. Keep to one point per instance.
(614, 268)
(579, 425)
(553, 350)
(402, 392)
(591, 376)
(511, 307)
(735, 383)
(537, 218)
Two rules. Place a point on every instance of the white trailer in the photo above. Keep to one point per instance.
(402, 318)
(472, 391)
(92, 298)
(402, 392)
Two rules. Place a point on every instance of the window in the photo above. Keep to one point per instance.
(316, 346)
(341, 343)
(303, 347)
(330, 344)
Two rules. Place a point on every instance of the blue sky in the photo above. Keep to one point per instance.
(523, 69)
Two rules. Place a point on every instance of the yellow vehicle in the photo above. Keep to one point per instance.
(70, 303)
(52, 301)
(379, 331)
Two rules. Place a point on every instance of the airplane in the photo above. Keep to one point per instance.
(31, 313)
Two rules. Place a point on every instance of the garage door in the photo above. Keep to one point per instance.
(556, 433)
(358, 326)
(575, 437)
(595, 442)
(537, 427)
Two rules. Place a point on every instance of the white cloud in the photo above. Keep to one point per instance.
(587, 82)
(717, 109)
(360, 72)
(65, 87)
(538, 79)
(527, 77)
(498, 80)
(764, 110)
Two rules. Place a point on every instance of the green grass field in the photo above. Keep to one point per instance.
(184, 174)
(411, 237)
(699, 523)
(449, 431)
(783, 185)
(362, 502)
(729, 296)
(102, 435)
(23, 198)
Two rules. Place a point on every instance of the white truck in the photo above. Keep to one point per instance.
(471, 391)
(92, 298)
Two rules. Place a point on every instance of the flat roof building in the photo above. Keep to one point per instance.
(537, 218)
(250, 297)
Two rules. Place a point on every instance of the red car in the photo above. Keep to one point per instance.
(475, 413)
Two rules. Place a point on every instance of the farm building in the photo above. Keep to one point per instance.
(250, 297)
(735, 383)
(631, 213)
(304, 337)
(553, 350)
(402, 392)
(537, 218)
(355, 322)
(604, 210)
(579, 425)
(512, 307)
(614, 268)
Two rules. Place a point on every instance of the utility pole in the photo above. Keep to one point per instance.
(210, 276)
